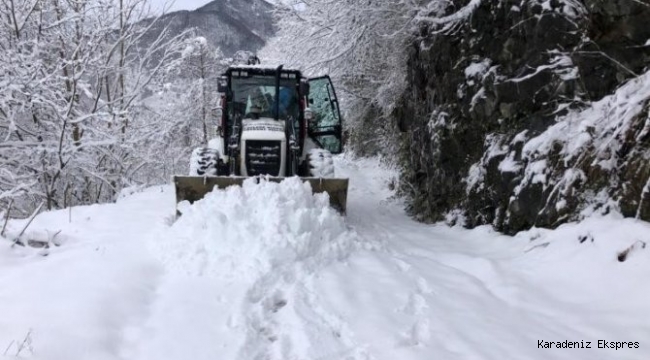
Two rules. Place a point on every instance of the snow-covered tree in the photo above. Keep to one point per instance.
(361, 44)
(73, 74)
(200, 67)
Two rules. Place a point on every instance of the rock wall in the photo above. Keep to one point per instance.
(528, 113)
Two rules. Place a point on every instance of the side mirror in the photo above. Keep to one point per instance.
(217, 113)
(304, 87)
(222, 85)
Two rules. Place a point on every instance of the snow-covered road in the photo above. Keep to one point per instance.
(270, 272)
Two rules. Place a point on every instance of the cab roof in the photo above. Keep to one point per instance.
(260, 70)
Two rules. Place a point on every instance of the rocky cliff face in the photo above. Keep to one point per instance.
(528, 113)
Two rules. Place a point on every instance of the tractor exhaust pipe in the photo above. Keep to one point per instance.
(277, 92)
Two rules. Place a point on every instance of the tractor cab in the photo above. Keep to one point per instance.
(255, 96)
(270, 115)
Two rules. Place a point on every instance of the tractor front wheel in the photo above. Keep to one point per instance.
(319, 163)
(204, 162)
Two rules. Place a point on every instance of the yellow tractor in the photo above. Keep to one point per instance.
(272, 123)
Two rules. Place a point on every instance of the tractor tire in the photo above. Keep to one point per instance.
(320, 163)
(204, 162)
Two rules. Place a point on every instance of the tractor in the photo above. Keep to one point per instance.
(272, 123)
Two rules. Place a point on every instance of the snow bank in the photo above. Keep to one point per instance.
(74, 300)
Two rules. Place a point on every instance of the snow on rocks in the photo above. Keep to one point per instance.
(476, 70)
(598, 126)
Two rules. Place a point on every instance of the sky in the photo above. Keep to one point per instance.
(176, 5)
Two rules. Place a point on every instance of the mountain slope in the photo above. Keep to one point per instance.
(232, 25)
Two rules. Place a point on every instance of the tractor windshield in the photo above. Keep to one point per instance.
(254, 97)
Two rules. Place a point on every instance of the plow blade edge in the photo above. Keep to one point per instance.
(193, 188)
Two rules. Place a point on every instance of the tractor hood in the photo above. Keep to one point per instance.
(263, 124)
(263, 128)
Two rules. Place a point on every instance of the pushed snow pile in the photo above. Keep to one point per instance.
(246, 231)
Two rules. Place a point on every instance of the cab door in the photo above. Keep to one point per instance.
(325, 128)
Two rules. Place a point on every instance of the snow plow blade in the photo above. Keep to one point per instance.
(193, 188)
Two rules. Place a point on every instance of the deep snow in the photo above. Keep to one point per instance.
(271, 272)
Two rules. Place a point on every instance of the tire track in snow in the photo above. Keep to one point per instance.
(475, 308)
(336, 340)
(284, 319)
(425, 326)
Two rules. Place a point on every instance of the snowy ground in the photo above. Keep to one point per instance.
(270, 272)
